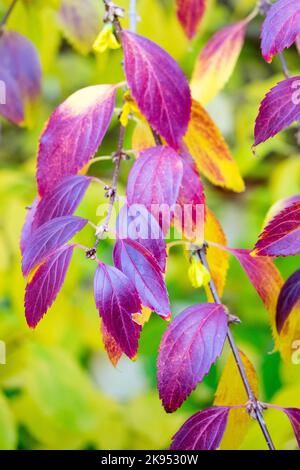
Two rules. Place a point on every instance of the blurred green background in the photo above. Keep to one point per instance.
(58, 389)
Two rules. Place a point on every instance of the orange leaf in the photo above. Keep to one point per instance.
(210, 151)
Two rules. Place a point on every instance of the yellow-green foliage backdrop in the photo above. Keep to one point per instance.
(58, 389)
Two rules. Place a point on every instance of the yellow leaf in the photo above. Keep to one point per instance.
(129, 107)
(288, 342)
(143, 317)
(216, 62)
(142, 137)
(231, 391)
(106, 40)
(217, 259)
(198, 274)
(210, 151)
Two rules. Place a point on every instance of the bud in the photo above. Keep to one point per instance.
(198, 273)
(106, 40)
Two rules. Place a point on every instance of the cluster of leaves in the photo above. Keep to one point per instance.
(163, 174)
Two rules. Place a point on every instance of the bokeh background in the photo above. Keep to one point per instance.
(58, 390)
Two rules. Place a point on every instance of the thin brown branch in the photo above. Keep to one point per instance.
(7, 14)
(254, 407)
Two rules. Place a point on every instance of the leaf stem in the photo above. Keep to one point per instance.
(7, 14)
(254, 408)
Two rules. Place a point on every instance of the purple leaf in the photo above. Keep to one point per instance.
(158, 85)
(116, 299)
(27, 226)
(142, 269)
(80, 22)
(191, 200)
(61, 200)
(190, 14)
(190, 345)
(294, 416)
(48, 238)
(136, 223)
(289, 296)
(202, 431)
(281, 236)
(154, 181)
(278, 110)
(47, 281)
(20, 71)
(280, 28)
(73, 134)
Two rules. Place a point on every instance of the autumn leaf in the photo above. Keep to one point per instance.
(190, 14)
(278, 110)
(20, 72)
(216, 62)
(210, 151)
(280, 28)
(288, 298)
(47, 281)
(158, 86)
(80, 22)
(190, 345)
(218, 259)
(231, 391)
(281, 236)
(50, 236)
(73, 134)
(116, 300)
(202, 431)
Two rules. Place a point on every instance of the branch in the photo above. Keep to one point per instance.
(254, 406)
(132, 16)
(7, 14)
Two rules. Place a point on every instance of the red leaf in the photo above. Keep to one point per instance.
(280, 28)
(27, 226)
(155, 180)
(190, 13)
(20, 71)
(289, 296)
(278, 110)
(158, 86)
(116, 299)
(281, 237)
(42, 290)
(263, 274)
(190, 345)
(114, 351)
(73, 134)
(48, 238)
(202, 431)
(142, 269)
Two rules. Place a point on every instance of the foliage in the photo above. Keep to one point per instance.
(50, 386)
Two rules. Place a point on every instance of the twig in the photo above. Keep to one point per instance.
(132, 16)
(284, 65)
(254, 407)
(8, 13)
